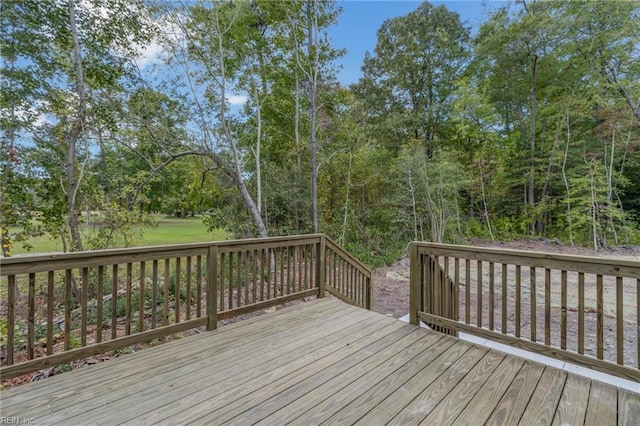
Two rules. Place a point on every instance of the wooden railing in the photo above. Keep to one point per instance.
(347, 278)
(575, 308)
(57, 308)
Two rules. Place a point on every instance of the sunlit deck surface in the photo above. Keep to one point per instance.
(320, 362)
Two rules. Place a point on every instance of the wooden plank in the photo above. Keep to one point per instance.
(573, 402)
(284, 390)
(628, 407)
(602, 407)
(171, 353)
(99, 305)
(188, 273)
(415, 285)
(347, 408)
(456, 400)
(554, 352)
(154, 294)
(266, 304)
(490, 393)
(323, 400)
(242, 384)
(134, 397)
(324, 379)
(467, 291)
(542, 405)
(114, 301)
(83, 306)
(127, 306)
(513, 403)
(415, 398)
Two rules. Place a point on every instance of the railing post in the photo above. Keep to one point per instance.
(414, 284)
(321, 262)
(370, 293)
(212, 288)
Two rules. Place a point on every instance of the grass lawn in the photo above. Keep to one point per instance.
(170, 230)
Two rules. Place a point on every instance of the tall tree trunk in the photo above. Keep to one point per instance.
(74, 134)
(531, 199)
(313, 81)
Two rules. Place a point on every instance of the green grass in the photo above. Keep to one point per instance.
(169, 231)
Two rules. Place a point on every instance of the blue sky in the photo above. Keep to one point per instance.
(360, 20)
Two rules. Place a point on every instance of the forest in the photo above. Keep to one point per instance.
(526, 127)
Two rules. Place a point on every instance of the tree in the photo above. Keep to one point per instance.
(408, 84)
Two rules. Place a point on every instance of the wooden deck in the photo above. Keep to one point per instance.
(320, 362)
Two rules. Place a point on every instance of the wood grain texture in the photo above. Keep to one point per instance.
(602, 407)
(544, 401)
(628, 407)
(513, 403)
(573, 403)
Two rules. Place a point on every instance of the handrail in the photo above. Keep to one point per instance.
(496, 294)
(62, 307)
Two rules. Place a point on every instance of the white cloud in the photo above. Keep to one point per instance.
(237, 99)
(151, 54)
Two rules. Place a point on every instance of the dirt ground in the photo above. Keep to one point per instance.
(391, 290)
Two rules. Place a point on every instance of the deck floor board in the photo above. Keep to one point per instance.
(320, 362)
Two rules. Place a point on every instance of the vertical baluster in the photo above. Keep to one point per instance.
(289, 290)
(492, 295)
(114, 301)
(638, 321)
(505, 297)
(177, 295)
(268, 274)
(83, 307)
(246, 278)
(230, 280)
(188, 290)
(282, 284)
(290, 272)
(446, 288)
(141, 298)
(199, 286)
(547, 306)
(518, 299)
(50, 302)
(127, 321)
(563, 318)
(254, 259)
(581, 313)
(221, 282)
(534, 304)
(99, 295)
(67, 310)
(31, 327)
(479, 295)
(467, 291)
(11, 320)
(437, 286)
(600, 315)
(154, 294)
(456, 292)
(239, 279)
(165, 307)
(619, 321)
(262, 260)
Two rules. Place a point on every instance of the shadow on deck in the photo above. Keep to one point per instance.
(320, 362)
